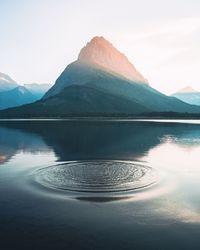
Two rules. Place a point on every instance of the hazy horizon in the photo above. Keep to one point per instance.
(161, 39)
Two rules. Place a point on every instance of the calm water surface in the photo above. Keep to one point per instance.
(99, 185)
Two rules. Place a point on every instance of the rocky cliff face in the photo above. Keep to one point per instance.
(102, 53)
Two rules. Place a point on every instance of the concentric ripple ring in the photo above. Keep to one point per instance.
(97, 176)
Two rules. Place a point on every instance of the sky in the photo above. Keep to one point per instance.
(39, 38)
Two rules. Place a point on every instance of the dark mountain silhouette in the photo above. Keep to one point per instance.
(75, 140)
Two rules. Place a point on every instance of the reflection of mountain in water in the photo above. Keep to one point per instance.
(14, 140)
(76, 140)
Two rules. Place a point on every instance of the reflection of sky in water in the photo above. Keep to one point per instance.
(179, 159)
(176, 155)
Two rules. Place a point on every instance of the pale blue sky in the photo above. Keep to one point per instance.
(161, 38)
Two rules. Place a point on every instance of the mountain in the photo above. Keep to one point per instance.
(87, 75)
(38, 90)
(6, 83)
(97, 55)
(187, 90)
(12, 94)
(95, 84)
(101, 52)
(188, 95)
(16, 97)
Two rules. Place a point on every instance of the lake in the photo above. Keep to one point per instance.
(69, 184)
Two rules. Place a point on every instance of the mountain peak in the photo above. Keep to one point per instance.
(22, 89)
(6, 82)
(100, 39)
(102, 53)
(187, 89)
(5, 78)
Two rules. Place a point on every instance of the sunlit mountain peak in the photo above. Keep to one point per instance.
(101, 52)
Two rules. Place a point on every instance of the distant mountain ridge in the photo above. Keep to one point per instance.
(186, 89)
(16, 97)
(38, 90)
(12, 94)
(188, 95)
(6, 82)
(93, 85)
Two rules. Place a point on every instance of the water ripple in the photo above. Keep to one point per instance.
(97, 176)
